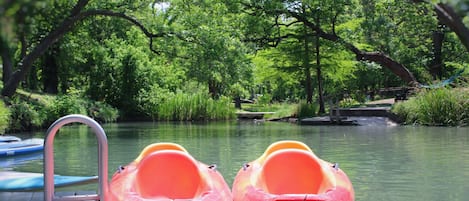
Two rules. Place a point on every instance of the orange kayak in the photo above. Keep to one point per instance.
(166, 171)
(289, 170)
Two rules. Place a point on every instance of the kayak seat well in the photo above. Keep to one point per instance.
(294, 171)
(171, 174)
(159, 147)
(286, 144)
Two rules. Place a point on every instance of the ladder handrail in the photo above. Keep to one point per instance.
(49, 154)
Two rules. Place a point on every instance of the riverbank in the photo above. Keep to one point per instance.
(435, 107)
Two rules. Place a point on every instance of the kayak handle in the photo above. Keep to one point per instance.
(245, 166)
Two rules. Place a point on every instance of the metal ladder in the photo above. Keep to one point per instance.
(49, 190)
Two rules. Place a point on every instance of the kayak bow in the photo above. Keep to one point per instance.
(289, 170)
(166, 171)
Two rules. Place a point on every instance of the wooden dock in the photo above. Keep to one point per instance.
(38, 196)
(353, 116)
(361, 112)
(325, 121)
(252, 115)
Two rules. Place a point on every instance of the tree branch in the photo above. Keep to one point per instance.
(450, 18)
(380, 58)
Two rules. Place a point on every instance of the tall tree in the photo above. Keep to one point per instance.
(290, 9)
(212, 52)
(15, 70)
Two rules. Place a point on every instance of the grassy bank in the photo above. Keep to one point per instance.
(436, 107)
(282, 110)
(4, 117)
(28, 111)
(194, 107)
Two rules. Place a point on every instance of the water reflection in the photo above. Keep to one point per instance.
(384, 163)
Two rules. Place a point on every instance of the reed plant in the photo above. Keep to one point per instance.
(436, 107)
(305, 109)
(198, 106)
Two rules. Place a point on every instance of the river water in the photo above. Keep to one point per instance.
(383, 162)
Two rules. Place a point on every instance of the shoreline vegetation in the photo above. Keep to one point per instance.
(435, 107)
(30, 111)
(136, 61)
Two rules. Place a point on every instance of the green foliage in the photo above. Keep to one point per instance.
(199, 106)
(440, 107)
(4, 117)
(102, 112)
(24, 116)
(65, 105)
(264, 99)
(280, 110)
(74, 104)
(305, 109)
(348, 102)
(229, 48)
(149, 100)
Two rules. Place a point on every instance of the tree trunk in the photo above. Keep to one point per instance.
(213, 89)
(238, 102)
(7, 65)
(307, 68)
(436, 66)
(322, 109)
(49, 73)
(450, 18)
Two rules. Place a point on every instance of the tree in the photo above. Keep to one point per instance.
(212, 52)
(15, 70)
(290, 9)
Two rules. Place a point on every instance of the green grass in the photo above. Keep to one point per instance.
(283, 109)
(28, 111)
(199, 106)
(436, 107)
(4, 117)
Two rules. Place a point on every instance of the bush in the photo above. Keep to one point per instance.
(24, 116)
(149, 100)
(102, 112)
(73, 104)
(440, 107)
(64, 105)
(348, 102)
(4, 117)
(305, 109)
(199, 106)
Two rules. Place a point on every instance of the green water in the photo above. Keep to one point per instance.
(383, 163)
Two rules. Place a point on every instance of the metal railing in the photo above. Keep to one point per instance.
(49, 190)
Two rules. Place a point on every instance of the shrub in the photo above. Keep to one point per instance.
(102, 112)
(149, 100)
(199, 106)
(442, 106)
(348, 102)
(24, 116)
(64, 105)
(305, 109)
(4, 117)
